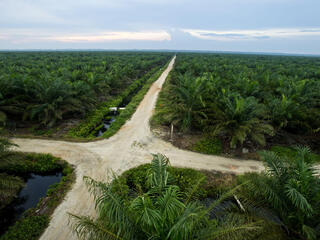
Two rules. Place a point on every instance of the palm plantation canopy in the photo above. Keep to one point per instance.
(291, 188)
(241, 98)
(234, 100)
(162, 212)
(282, 203)
(47, 87)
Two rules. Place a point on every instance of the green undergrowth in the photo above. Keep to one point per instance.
(22, 163)
(159, 117)
(35, 220)
(208, 145)
(212, 183)
(29, 228)
(89, 127)
(10, 187)
(292, 153)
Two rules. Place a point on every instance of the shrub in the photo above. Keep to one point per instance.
(292, 153)
(208, 145)
(186, 179)
(20, 164)
(217, 183)
(29, 228)
(136, 178)
(9, 188)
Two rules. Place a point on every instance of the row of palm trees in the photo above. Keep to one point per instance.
(238, 97)
(46, 87)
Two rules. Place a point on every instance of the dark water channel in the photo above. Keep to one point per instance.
(111, 117)
(107, 122)
(36, 187)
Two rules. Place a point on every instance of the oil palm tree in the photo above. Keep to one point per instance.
(11, 100)
(240, 118)
(159, 213)
(291, 189)
(187, 105)
(53, 100)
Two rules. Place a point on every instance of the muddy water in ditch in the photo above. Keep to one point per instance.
(36, 187)
(111, 117)
(107, 123)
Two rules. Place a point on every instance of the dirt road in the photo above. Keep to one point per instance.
(130, 147)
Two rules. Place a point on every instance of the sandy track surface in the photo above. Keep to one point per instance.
(130, 147)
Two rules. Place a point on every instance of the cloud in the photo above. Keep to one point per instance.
(115, 36)
(232, 35)
(25, 35)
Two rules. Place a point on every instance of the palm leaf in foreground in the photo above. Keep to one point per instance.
(159, 213)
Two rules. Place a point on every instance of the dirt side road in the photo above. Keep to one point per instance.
(130, 147)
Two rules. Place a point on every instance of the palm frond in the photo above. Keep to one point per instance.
(298, 199)
(158, 175)
(87, 228)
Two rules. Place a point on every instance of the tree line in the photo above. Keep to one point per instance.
(45, 87)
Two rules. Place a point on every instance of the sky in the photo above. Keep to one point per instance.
(277, 26)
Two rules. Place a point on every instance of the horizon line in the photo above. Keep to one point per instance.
(158, 49)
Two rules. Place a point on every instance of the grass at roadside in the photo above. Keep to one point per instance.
(87, 128)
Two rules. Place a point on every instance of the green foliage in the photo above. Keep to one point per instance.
(240, 119)
(5, 146)
(186, 179)
(159, 213)
(91, 125)
(208, 145)
(30, 228)
(9, 185)
(94, 119)
(136, 178)
(217, 183)
(31, 225)
(293, 152)
(9, 188)
(186, 108)
(241, 99)
(132, 106)
(19, 163)
(47, 87)
(291, 189)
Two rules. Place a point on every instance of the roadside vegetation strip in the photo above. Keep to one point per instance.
(35, 220)
(132, 106)
(88, 128)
